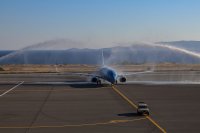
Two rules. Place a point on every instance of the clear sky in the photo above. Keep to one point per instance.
(97, 22)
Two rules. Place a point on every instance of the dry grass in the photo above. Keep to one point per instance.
(92, 68)
(47, 68)
(1, 69)
(159, 67)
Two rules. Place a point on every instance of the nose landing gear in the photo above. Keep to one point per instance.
(98, 82)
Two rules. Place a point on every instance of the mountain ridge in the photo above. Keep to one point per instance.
(140, 53)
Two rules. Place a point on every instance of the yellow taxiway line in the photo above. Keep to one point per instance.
(72, 125)
(135, 106)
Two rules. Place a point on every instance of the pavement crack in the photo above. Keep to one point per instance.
(40, 109)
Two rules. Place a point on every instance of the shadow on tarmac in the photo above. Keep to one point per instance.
(128, 114)
(88, 85)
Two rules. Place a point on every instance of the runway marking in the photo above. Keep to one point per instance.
(73, 125)
(135, 106)
(11, 89)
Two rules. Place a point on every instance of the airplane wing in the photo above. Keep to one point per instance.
(84, 74)
(135, 73)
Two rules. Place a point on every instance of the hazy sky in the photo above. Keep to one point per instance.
(97, 22)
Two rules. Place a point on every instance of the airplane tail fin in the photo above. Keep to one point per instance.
(102, 56)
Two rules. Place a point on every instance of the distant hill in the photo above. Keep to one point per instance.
(134, 54)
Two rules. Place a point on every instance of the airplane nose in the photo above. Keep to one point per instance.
(113, 79)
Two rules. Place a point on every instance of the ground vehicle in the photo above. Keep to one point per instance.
(142, 109)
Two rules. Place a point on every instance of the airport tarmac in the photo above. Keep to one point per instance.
(39, 108)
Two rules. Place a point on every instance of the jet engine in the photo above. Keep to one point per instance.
(96, 80)
(122, 79)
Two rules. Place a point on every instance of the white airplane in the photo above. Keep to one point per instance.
(108, 74)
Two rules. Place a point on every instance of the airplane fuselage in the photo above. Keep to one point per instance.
(108, 74)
